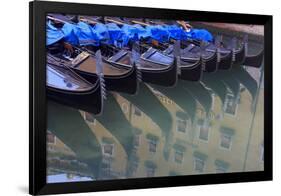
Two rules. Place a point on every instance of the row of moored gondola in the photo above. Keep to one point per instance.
(87, 56)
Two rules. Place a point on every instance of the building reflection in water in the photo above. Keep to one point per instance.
(214, 126)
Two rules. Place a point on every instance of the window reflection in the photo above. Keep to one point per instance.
(230, 105)
(226, 137)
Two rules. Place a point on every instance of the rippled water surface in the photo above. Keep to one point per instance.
(212, 126)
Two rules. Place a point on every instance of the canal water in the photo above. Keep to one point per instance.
(212, 126)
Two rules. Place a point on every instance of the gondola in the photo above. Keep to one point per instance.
(239, 50)
(83, 61)
(214, 57)
(67, 87)
(236, 54)
(251, 60)
(229, 56)
(191, 53)
(192, 57)
(226, 59)
(209, 59)
(226, 56)
(254, 60)
(189, 70)
(194, 60)
(154, 66)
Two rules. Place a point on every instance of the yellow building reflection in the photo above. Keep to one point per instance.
(164, 132)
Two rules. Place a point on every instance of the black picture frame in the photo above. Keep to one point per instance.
(37, 98)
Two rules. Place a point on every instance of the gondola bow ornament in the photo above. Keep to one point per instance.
(177, 55)
(100, 73)
(135, 56)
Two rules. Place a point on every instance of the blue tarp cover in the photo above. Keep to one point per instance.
(53, 34)
(115, 33)
(129, 33)
(70, 31)
(200, 34)
(86, 35)
(142, 32)
(158, 33)
(101, 31)
(176, 32)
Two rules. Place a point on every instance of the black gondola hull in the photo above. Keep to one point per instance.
(209, 64)
(190, 68)
(193, 73)
(90, 101)
(226, 61)
(167, 77)
(254, 61)
(126, 83)
(164, 77)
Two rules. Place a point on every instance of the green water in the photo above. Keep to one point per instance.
(194, 128)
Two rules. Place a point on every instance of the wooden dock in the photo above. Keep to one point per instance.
(255, 32)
